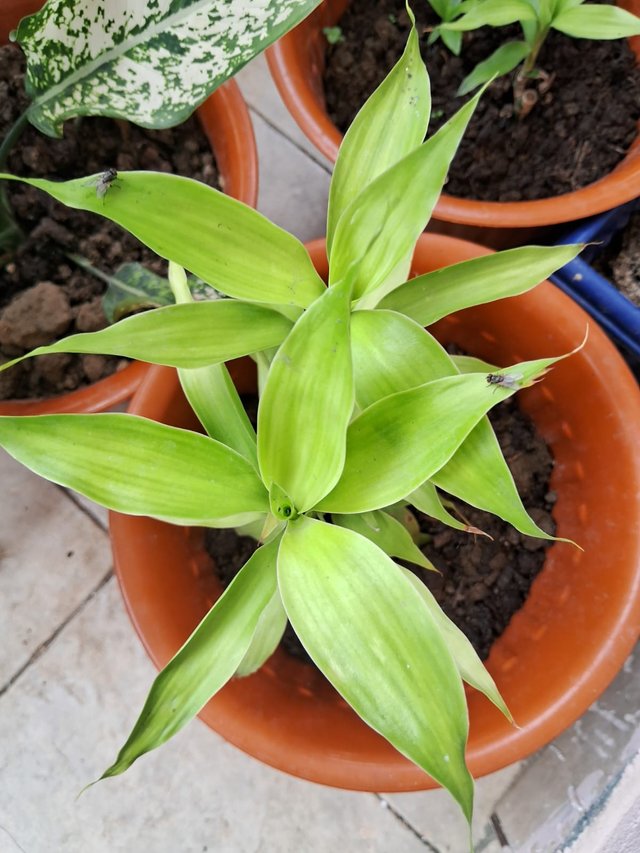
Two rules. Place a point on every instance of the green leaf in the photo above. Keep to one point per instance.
(181, 335)
(427, 500)
(207, 660)
(220, 240)
(404, 439)
(452, 40)
(493, 13)
(471, 668)
(436, 294)
(372, 635)
(471, 364)
(391, 123)
(381, 225)
(597, 22)
(211, 392)
(140, 467)
(268, 633)
(503, 60)
(478, 474)
(387, 533)
(302, 418)
(150, 63)
(391, 353)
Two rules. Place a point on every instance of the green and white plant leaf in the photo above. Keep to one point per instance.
(220, 240)
(140, 467)
(492, 13)
(357, 615)
(391, 124)
(208, 659)
(150, 63)
(387, 533)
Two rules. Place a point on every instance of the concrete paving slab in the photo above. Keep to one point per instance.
(63, 721)
(616, 828)
(52, 556)
(438, 819)
(569, 782)
(262, 96)
(293, 188)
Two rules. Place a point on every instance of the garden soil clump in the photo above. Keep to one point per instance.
(577, 132)
(483, 581)
(43, 294)
(620, 261)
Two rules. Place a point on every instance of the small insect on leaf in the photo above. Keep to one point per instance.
(104, 181)
(507, 380)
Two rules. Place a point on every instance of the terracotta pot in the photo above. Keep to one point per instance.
(225, 120)
(559, 652)
(297, 63)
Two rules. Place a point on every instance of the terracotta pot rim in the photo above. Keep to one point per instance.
(572, 693)
(225, 119)
(304, 103)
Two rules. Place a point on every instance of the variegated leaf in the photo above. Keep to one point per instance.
(149, 62)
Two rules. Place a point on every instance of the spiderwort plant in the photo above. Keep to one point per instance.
(362, 412)
(536, 18)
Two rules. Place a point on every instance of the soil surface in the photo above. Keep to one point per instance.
(575, 134)
(483, 582)
(43, 295)
(620, 260)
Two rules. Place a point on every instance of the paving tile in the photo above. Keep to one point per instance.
(51, 557)
(261, 94)
(63, 720)
(569, 782)
(293, 189)
(438, 819)
(616, 828)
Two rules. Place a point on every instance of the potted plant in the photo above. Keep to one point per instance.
(594, 290)
(64, 82)
(297, 64)
(341, 437)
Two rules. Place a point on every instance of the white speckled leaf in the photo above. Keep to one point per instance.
(149, 62)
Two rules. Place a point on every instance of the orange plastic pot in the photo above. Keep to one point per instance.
(559, 652)
(297, 63)
(225, 120)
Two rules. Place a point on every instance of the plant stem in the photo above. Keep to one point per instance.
(10, 233)
(15, 132)
(530, 61)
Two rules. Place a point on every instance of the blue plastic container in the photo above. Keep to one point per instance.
(615, 313)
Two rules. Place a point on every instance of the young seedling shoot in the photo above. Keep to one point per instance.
(537, 18)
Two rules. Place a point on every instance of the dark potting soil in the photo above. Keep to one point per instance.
(44, 295)
(620, 260)
(483, 581)
(576, 133)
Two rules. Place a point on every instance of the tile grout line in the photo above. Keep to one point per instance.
(46, 643)
(401, 819)
(74, 500)
(295, 143)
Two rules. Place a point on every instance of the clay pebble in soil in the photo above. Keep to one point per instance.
(620, 261)
(577, 133)
(43, 295)
(482, 582)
